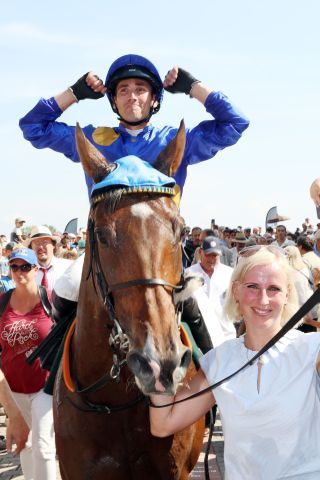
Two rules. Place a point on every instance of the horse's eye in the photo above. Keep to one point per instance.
(102, 236)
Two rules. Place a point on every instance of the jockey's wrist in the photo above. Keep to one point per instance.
(200, 92)
(75, 98)
(183, 83)
(65, 99)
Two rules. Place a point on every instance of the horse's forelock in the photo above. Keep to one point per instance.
(110, 199)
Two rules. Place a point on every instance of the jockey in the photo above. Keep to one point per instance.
(135, 90)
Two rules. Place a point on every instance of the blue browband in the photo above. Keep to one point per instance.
(134, 175)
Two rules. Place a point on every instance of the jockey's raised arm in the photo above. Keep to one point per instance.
(135, 91)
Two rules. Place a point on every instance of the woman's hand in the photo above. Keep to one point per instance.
(174, 418)
(17, 432)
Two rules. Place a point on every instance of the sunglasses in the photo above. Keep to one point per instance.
(248, 251)
(25, 268)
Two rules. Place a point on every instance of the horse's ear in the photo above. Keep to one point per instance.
(94, 163)
(168, 161)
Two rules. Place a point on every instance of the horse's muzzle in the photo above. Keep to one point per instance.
(159, 376)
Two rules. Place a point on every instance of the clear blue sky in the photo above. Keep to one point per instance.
(263, 54)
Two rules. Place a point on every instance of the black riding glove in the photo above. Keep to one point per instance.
(82, 91)
(183, 84)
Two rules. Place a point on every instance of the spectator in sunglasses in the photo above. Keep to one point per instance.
(270, 409)
(24, 324)
(43, 243)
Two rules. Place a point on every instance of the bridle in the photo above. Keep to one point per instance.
(118, 339)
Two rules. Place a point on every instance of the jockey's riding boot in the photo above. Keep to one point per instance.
(62, 308)
(192, 316)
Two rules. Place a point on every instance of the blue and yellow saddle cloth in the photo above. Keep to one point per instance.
(135, 175)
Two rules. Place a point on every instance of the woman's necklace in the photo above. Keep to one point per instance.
(259, 364)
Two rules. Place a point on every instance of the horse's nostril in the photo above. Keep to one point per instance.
(185, 359)
(138, 364)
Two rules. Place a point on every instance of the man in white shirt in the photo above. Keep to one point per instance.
(281, 237)
(50, 267)
(210, 296)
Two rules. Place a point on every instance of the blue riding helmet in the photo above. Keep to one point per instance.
(133, 66)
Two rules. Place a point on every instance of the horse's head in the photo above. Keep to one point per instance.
(134, 230)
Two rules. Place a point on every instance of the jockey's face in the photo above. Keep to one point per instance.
(133, 100)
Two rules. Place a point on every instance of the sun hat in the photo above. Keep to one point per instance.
(25, 254)
(40, 231)
(240, 238)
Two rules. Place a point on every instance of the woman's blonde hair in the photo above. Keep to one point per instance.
(294, 257)
(263, 256)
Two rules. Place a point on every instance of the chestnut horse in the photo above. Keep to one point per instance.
(126, 327)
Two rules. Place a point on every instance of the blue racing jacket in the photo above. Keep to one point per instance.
(40, 127)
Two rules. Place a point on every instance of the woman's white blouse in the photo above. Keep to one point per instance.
(273, 433)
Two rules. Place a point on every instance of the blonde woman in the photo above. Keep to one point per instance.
(269, 410)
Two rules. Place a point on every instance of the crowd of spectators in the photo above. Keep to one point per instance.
(67, 246)
(232, 240)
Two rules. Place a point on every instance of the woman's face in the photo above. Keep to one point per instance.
(19, 276)
(262, 294)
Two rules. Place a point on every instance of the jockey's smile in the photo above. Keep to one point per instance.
(134, 99)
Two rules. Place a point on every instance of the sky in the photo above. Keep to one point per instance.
(264, 55)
